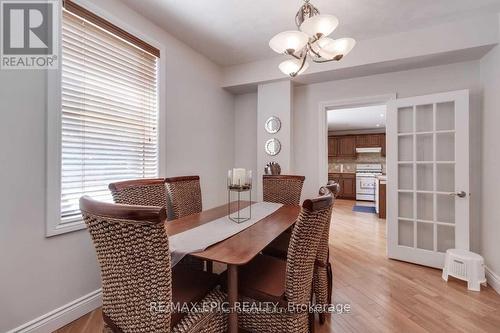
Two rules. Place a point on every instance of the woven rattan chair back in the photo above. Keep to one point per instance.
(322, 281)
(184, 196)
(304, 243)
(143, 192)
(132, 250)
(283, 189)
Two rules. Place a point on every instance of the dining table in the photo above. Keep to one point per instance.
(240, 248)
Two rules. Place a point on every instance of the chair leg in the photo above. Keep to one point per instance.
(311, 322)
(322, 318)
(109, 326)
(106, 329)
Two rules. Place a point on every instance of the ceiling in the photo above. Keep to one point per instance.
(360, 118)
(238, 31)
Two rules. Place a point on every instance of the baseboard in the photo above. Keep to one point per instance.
(493, 279)
(64, 315)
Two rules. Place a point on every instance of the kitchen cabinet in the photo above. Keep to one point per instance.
(382, 214)
(346, 146)
(342, 146)
(335, 177)
(382, 144)
(368, 141)
(381, 197)
(333, 146)
(347, 182)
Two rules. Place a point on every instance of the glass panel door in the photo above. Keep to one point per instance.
(429, 168)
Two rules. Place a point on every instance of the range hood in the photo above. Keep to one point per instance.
(369, 150)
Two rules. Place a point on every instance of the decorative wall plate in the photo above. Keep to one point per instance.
(273, 147)
(273, 125)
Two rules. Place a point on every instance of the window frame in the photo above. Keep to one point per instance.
(54, 223)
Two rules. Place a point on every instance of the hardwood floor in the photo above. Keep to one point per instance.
(384, 295)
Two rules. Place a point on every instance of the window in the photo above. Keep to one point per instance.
(109, 111)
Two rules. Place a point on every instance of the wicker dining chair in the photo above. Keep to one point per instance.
(184, 196)
(149, 192)
(138, 284)
(145, 192)
(283, 189)
(323, 275)
(286, 283)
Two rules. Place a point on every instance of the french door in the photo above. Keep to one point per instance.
(428, 177)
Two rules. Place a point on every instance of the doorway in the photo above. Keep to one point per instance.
(427, 150)
(356, 155)
(344, 146)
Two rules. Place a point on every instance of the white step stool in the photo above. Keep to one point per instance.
(465, 265)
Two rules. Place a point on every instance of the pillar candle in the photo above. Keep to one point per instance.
(239, 176)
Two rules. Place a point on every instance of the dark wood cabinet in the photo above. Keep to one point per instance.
(333, 147)
(349, 185)
(368, 140)
(347, 146)
(382, 143)
(344, 146)
(382, 205)
(347, 182)
(335, 176)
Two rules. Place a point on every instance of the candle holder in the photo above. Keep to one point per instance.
(239, 181)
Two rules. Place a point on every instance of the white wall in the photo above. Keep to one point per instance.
(274, 99)
(39, 274)
(406, 83)
(245, 133)
(490, 208)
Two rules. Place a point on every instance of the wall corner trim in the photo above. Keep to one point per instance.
(63, 315)
(493, 279)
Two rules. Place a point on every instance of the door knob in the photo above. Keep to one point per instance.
(460, 194)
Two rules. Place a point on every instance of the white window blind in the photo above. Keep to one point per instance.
(109, 113)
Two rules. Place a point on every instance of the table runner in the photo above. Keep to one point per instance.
(201, 237)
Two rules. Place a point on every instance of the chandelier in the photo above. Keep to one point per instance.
(311, 41)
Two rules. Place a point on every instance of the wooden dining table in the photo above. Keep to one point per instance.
(240, 248)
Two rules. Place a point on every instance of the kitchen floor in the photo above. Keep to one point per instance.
(364, 203)
(358, 202)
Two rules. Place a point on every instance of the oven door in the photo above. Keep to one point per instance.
(365, 187)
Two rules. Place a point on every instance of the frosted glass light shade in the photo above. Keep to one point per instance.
(291, 66)
(320, 44)
(288, 40)
(330, 48)
(319, 25)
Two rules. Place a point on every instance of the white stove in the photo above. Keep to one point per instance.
(366, 179)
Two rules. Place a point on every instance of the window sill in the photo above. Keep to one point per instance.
(63, 228)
